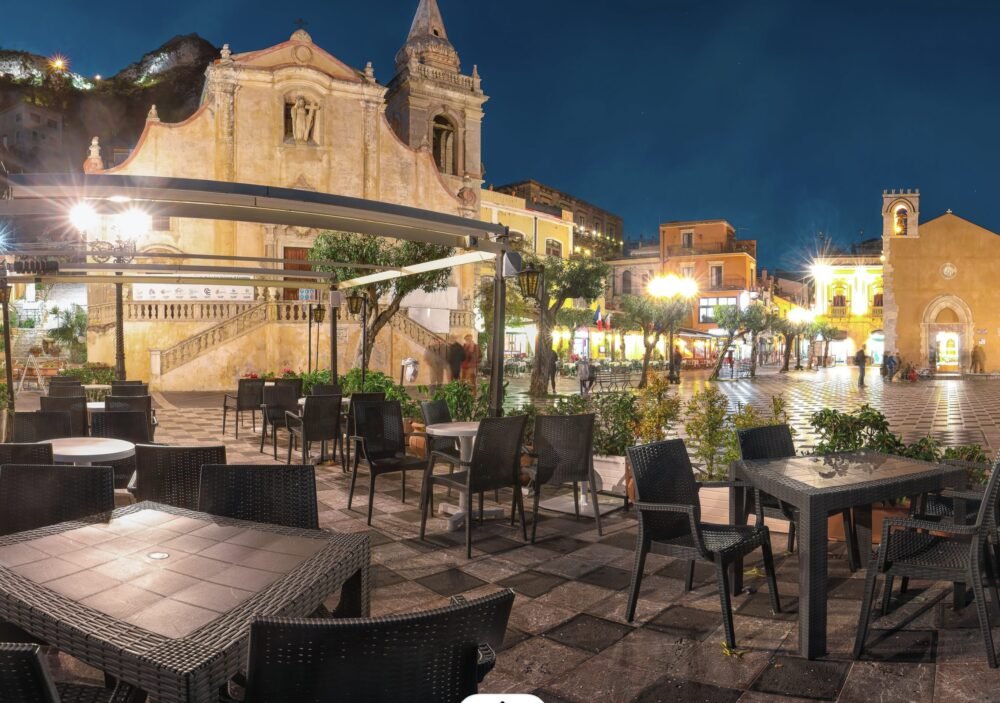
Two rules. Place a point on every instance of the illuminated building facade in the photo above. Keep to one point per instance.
(849, 294)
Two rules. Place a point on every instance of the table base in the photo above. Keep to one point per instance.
(456, 521)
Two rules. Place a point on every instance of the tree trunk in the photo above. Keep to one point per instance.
(377, 320)
(543, 348)
(722, 356)
(809, 354)
(788, 352)
(826, 351)
(753, 355)
(646, 356)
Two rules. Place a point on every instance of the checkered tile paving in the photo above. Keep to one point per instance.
(568, 639)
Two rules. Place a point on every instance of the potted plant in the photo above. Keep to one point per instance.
(616, 417)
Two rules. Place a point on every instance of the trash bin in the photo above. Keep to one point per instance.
(409, 371)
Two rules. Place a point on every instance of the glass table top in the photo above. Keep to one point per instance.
(837, 470)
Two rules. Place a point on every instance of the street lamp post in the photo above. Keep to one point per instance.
(672, 288)
(8, 361)
(334, 313)
(358, 303)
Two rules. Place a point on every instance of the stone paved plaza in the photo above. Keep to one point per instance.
(568, 639)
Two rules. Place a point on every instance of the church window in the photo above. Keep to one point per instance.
(444, 145)
(901, 224)
(626, 283)
(553, 247)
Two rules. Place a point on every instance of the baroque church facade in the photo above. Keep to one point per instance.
(294, 116)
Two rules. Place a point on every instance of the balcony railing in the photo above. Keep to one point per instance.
(727, 283)
(838, 310)
(877, 313)
(713, 248)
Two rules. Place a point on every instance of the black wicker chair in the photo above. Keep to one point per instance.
(134, 382)
(294, 383)
(319, 422)
(131, 426)
(172, 475)
(40, 426)
(249, 397)
(278, 401)
(25, 678)
(444, 449)
(65, 380)
(278, 494)
(348, 422)
(381, 443)
(934, 551)
(35, 495)
(75, 405)
(563, 448)
(440, 655)
(495, 464)
(67, 390)
(134, 403)
(670, 517)
(775, 442)
(129, 389)
(28, 453)
(327, 389)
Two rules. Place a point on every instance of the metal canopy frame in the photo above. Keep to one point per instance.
(53, 196)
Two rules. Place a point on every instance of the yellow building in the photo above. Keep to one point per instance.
(848, 294)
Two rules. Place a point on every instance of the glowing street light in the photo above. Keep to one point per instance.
(58, 63)
(83, 218)
(672, 288)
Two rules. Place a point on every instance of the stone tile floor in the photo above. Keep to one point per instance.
(568, 639)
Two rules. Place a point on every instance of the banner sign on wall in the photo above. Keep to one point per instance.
(159, 292)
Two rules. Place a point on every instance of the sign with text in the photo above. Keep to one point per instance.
(160, 292)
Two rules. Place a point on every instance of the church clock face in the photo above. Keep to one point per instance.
(948, 270)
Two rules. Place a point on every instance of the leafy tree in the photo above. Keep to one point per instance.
(573, 319)
(565, 279)
(71, 326)
(729, 318)
(828, 332)
(365, 249)
(706, 427)
(518, 310)
(756, 319)
(651, 318)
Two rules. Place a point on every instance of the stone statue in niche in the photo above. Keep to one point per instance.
(303, 120)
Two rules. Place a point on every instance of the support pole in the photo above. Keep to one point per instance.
(672, 376)
(334, 312)
(309, 343)
(364, 339)
(499, 335)
(8, 360)
(119, 332)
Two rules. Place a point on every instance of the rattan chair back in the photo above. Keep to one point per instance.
(172, 475)
(129, 389)
(66, 390)
(135, 403)
(59, 380)
(39, 426)
(34, 495)
(989, 509)
(281, 494)
(131, 426)
(436, 412)
(380, 424)
(250, 394)
(24, 676)
(428, 656)
(75, 405)
(327, 389)
(496, 458)
(27, 453)
(294, 383)
(662, 473)
(279, 399)
(767, 442)
(321, 418)
(564, 445)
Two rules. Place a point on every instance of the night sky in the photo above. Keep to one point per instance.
(786, 117)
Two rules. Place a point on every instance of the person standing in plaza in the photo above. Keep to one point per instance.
(553, 369)
(978, 360)
(455, 355)
(678, 358)
(861, 360)
(470, 360)
(890, 367)
(583, 374)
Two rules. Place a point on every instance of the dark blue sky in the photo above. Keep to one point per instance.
(786, 117)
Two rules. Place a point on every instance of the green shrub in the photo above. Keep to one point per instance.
(465, 403)
(614, 425)
(708, 429)
(92, 372)
(658, 410)
(378, 382)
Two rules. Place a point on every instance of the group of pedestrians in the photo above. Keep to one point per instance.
(463, 360)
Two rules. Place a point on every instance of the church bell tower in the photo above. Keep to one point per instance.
(433, 106)
(900, 220)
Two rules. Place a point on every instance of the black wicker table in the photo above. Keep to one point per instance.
(163, 597)
(819, 486)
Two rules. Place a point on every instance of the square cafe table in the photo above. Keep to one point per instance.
(819, 486)
(163, 597)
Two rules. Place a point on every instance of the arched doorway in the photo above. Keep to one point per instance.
(875, 346)
(946, 334)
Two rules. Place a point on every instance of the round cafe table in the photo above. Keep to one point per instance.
(83, 451)
(95, 406)
(96, 391)
(465, 432)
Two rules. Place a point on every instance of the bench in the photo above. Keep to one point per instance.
(613, 380)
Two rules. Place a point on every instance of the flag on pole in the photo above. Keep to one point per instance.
(597, 318)
(607, 321)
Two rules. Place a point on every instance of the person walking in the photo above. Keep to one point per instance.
(583, 374)
(978, 360)
(678, 358)
(889, 364)
(553, 369)
(861, 360)
(470, 360)
(455, 355)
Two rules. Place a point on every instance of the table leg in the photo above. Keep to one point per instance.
(863, 529)
(354, 600)
(959, 594)
(812, 583)
(737, 516)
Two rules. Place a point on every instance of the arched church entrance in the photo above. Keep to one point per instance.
(946, 334)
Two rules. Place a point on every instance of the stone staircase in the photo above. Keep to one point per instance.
(166, 360)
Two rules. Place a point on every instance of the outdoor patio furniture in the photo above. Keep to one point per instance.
(820, 485)
(670, 517)
(249, 397)
(138, 403)
(39, 426)
(380, 442)
(563, 449)
(495, 464)
(26, 453)
(439, 448)
(278, 494)
(327, 389)
(164, 646)
(76, 406)
(294, 383)
(438, 655)
(775, 442)
(172, 475)
(930, 550)
(129, 388)
(348, 421)
(278, 400)
(128, 425)
(25, 678)
(66, 390)
(34, 495)
(319, 422)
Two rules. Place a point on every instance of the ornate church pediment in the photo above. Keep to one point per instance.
(299, 50)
